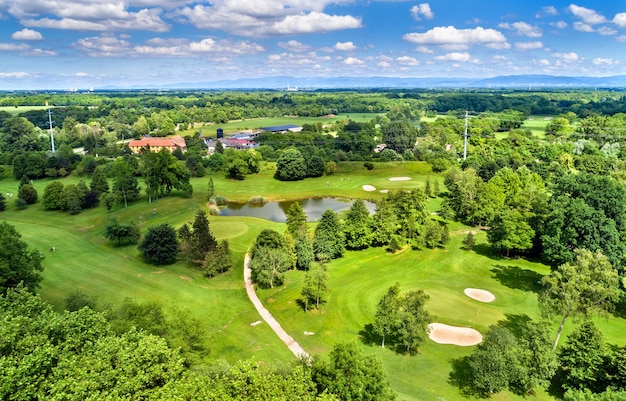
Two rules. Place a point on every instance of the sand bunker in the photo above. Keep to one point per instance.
(384, 191)
(479, 295)
(399, 178)
(463, 336)
(369, 188)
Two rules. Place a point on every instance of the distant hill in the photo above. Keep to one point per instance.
(312, 83)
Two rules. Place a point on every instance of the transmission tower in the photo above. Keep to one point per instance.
(465, 136)
(51, 130)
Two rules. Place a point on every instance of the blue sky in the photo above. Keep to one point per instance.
(94, 43)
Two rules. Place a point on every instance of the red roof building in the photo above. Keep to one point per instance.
(156, 144)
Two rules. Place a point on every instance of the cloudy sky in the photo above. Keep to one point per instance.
(94, 43)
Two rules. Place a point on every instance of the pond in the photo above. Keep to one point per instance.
(275, 211)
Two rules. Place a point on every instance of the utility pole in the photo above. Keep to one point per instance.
(51, 130)
(465, 136)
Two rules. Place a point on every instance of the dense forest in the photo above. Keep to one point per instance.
(556, 194)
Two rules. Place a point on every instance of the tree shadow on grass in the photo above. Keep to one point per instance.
(620, 306)
(516, 324)
(517, 278)
(461, 377)
(368, 336)
(485, 250)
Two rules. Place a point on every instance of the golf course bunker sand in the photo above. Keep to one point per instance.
(444, 334)
(399, 178)
(369, 188)
(479, 295)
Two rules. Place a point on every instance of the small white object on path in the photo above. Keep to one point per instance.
(297, 350)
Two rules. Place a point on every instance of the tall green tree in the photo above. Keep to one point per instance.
(315, 285)
(387, 317)
(383, 223)
(160, 244)
(413, 318)
(585, 287)
(125, 184)
(356, 226)
(584, 358)
(197, 240)
(52, 195)
(351, 375)
(399, 135)
(296, 219)
(123, 234)
(218, 260)
(99, 183)
(510, 232)
(328, 239)
(290, 166)
(28, 194)
(18, 263)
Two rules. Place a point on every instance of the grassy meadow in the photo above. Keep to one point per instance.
(85, 260)
(254, 123)
(15, 110)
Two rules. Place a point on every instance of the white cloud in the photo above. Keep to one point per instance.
(264, 18)
(587, 15)
(456, 57)
(523, 29)
(406, 60)
(570, 57)
(453, 36)
(422, 10)
(9, 47)
(353, 61)
(20, 74)
(560, 24)
(582, 27)
(384, 64)
(81, 74)
(543, 62)
(620, 20)
(605, 62)
(423, 49)
(499, 45)
(528, 45)
(621, 38)
(27, 34)
(345, 46)
(225, 46)
(606, 31)
(548, 11)
(294, 46)
(104, 46)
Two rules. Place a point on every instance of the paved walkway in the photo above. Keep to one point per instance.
(297, 350)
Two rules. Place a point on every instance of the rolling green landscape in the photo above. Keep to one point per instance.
(520, 167)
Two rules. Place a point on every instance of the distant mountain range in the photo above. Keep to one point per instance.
(312, 83)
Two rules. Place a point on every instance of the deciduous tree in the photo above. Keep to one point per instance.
(19, 263)
(160, 244)
(585, 287)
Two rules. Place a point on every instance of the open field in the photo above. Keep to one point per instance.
(85, 260)
(14, 110)
(236, 126)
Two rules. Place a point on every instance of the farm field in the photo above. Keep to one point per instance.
(85, 260)
(254, 123)
(15, 110)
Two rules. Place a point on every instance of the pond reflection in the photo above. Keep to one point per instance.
(275, 211)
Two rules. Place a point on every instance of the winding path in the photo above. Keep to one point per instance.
(297, 350)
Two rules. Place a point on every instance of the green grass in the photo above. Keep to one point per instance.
(359, 280)
(15, 110)
(209, 129)
(84, 260)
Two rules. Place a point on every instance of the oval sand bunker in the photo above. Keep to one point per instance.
(479, 295)
(445, 334)
(369, 188)
(399, 178)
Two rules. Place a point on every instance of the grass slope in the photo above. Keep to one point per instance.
(84, 260)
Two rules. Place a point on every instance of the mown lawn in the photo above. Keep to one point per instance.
(209, 129)
(85, 260)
